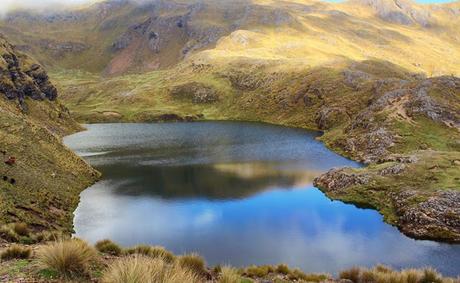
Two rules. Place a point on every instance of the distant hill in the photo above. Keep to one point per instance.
(121, 36)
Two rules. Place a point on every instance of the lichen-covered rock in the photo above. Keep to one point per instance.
(393, 169)
(195, 92)
(336, 180)
(436, 218)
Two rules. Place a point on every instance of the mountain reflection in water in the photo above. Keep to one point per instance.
(236, 193)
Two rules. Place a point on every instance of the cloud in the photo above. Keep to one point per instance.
(8, 5)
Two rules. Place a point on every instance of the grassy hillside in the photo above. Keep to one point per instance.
(378, 77)
(116, 37)
(40, 178)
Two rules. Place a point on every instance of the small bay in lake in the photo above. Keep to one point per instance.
(236, 193)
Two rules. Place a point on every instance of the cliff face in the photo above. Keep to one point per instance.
(40, 179)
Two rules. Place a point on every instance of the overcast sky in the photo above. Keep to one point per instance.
(6, 5)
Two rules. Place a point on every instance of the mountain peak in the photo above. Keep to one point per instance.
(404, 12)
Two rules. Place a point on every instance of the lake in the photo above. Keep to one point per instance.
(236, 193)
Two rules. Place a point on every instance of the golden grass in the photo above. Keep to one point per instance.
(145, 269)
(68, 258)
(266, 271)
(16, 252)
(153, 252)
(382, 274)
(229, 274)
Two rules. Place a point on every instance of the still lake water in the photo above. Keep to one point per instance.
(236, 193)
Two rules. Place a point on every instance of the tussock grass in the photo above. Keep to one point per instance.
(193, 262)
(140, 268)
(383, 274)
(282, 269)
(108, 247)
(16, 252)
(153, 252)
(68, 258)
(21, 229)
(7, 232)
(229, 274)
(352, 274)
(259, 271)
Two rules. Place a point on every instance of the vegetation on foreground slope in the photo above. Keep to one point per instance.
(76, 261)
(40, 179)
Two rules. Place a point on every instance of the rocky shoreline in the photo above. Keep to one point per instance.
(417, 212)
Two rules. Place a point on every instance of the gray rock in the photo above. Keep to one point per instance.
(337, 180)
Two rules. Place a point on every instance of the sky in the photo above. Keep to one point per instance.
(6, 5)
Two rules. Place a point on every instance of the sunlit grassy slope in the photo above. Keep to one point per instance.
(300, 33)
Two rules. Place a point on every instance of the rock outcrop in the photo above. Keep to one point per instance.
(20, 77)
(419, 207)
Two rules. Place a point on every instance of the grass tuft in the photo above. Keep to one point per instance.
(229, 275)
(383, 274)
(258, 271)
(141, 268)
(68, 258)
(430, 275)
(282, 269)
(108, 247)
(193, 262)
(16, 252)
(153, 252)
(7, 232)
(352, 274)
(21, 229)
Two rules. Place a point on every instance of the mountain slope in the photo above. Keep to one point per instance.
(40, 178)
(378, 77)
(120, 36)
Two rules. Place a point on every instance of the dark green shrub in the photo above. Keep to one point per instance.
(108, 247)
(431, 276)
(282, 269)
(193, 262)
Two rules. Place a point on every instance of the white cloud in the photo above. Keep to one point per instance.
(8, 5)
